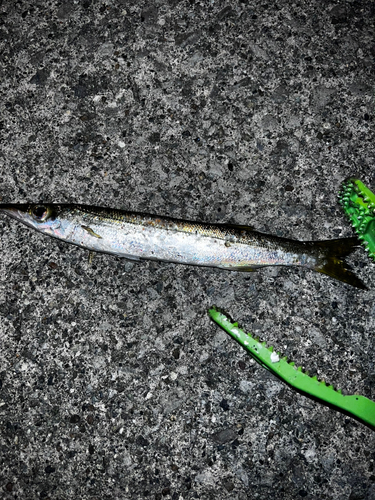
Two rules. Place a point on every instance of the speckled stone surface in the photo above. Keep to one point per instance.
(114, 382)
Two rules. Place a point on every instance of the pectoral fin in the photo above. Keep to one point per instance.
(91, 231)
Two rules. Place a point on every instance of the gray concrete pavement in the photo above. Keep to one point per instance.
(114, 382)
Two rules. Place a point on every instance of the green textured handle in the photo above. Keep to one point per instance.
(358, 406)
(358, 202)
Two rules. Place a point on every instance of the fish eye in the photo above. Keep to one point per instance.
(40, 213)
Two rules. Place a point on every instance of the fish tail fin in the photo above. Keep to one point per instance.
(332, 263)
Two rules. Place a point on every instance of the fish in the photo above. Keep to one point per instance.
(137, 236)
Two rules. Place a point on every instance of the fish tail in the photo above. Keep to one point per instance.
(332, 263)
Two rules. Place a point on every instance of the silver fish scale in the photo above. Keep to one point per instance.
(140, 236)
(228, 232)
(143, 236)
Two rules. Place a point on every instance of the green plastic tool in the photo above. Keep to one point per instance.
(359, 407)
(358, 203)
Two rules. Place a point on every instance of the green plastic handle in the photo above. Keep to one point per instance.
(358, 406)
(358, 202)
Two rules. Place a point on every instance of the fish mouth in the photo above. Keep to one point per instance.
(16, 211)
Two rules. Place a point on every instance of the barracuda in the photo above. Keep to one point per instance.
(138, 236)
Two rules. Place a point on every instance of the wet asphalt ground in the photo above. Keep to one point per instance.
(114, 383)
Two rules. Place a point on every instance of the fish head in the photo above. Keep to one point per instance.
(42, 217)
